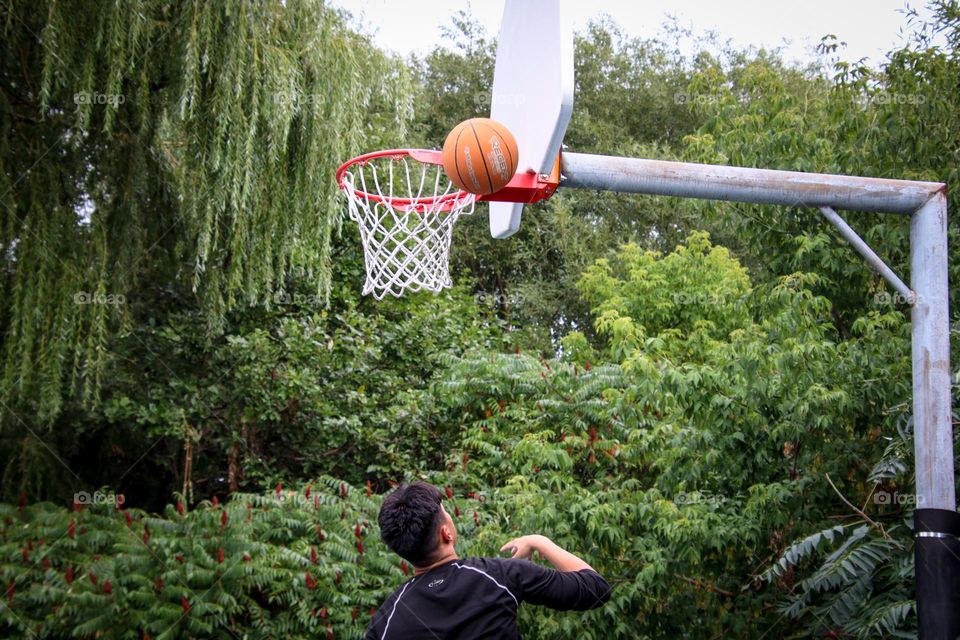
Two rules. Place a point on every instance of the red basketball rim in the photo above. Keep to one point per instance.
(425, 156)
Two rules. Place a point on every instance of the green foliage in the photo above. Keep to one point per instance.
(293, 389)
(630, 100)
(721, 373)
(187, 145)
(290, 564)
(693, 440)
(897, 122)
(859, 576)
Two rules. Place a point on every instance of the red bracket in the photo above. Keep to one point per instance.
(527, 187)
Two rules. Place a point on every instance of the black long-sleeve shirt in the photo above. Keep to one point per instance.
(473, 598)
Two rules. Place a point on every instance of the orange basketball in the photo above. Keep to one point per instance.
(480, 156)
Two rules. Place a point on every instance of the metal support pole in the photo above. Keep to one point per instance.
(738, 184)
(933, 432)
(937, 547)
(868, 254)
(937, 524)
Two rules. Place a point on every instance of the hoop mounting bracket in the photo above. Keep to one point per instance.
(527, 187)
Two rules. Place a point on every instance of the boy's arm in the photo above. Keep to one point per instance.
(573, 585)
(524, 546)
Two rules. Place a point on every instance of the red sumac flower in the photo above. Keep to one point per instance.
(448, 491)
(224, 518)
(313, 555)
(306, 492)
(185, 604)
(360, 546)
(72, 529)
(219, 555)
(158, 585)
(93, 578)
(311, 583)
(181, 509)
(69, 576)
(128, 517)
(343, 489)
(107, 588)
(354, 614)
(215, 502)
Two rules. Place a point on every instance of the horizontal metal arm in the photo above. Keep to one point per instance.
(738, 184)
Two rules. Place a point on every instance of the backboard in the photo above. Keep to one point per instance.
(532, 91)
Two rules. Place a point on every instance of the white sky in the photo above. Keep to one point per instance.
(869, 27)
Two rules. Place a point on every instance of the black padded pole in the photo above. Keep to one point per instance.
(937, 556)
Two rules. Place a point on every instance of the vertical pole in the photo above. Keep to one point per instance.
(937, 548)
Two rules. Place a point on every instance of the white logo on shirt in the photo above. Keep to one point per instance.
(435, 583)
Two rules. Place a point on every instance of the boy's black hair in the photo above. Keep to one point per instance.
(409, 520)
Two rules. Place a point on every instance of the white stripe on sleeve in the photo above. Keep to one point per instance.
(489, 577)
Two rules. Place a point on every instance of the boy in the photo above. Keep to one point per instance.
(450, 597)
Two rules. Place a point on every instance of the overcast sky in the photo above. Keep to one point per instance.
(870, 27)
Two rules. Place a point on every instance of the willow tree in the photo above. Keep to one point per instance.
(186, 145)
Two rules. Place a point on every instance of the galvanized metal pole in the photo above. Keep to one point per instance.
(861, 247)
(761, 186)
(937, 523)
(932, 413)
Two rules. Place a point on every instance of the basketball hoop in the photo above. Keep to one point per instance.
(405, 207)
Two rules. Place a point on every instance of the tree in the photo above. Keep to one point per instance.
(627, 102)
(684, 448)
(186, 145)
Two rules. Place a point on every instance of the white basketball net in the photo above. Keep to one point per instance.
(406, 210)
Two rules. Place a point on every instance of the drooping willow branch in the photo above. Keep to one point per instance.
(182, 145)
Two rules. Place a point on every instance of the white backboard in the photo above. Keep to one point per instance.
(532, 91)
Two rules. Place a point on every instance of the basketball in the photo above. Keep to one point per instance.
(480, 156)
